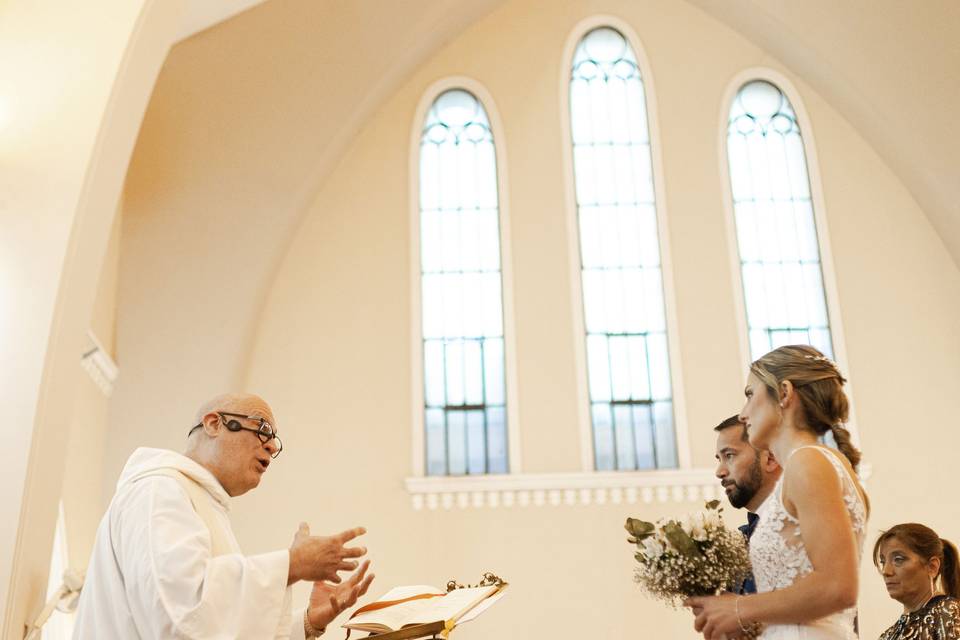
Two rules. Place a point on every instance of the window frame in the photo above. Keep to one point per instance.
(418, 457)
(587, 453)
(828, 272)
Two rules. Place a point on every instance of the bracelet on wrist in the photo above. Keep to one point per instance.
(308, 629)
(739, 619)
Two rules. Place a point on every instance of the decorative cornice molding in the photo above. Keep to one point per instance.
(98, 363)
(556, 489)
(567, 489)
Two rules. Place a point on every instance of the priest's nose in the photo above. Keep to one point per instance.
(273, 446)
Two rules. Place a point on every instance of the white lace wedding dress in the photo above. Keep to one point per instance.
(779, 557)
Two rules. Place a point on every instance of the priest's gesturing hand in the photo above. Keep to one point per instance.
(166, 563)
(327, 600)
(320, 558)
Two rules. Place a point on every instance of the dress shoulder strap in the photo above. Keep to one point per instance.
(806, 446)
(832, 456)
(829, 455)
(846, 480)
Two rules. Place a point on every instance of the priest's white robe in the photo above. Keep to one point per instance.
(166, 563)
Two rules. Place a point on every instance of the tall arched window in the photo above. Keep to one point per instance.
(628, 364)
(462, 311)
(776, 231)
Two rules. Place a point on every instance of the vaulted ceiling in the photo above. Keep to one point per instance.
(220, 112)
(891, 68)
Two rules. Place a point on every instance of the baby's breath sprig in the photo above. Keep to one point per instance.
(697, 556)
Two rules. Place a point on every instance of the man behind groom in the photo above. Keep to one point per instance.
(748, 475)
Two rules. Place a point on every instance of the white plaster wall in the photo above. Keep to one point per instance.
(330, 345)
(332, 351)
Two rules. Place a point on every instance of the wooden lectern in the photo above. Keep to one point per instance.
(430, 631)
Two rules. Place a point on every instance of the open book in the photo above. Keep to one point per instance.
(405, 606)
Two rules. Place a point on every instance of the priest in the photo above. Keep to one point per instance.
(166, 563)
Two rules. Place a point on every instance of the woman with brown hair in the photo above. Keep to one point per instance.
(807, 545)
(912, 558)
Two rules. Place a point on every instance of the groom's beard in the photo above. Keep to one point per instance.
(743, 492)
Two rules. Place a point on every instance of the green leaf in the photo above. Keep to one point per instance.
(681, 541)
(638, 529)
(713, 504)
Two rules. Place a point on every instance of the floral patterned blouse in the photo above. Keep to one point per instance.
(939, 619)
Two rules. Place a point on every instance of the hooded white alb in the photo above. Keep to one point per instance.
(164, 568)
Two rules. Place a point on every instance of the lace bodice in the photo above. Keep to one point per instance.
(779, 557)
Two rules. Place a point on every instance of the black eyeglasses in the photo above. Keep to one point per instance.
(264, 431)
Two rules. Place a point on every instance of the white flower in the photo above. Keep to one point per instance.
(670, 576)
(652, 548)
(712, 518)
(695, 526)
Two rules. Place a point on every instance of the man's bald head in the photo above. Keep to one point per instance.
(243, 403)
(236, 456)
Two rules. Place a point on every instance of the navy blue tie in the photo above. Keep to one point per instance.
(749, 586)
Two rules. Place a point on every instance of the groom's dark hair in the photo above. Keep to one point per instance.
(732, 421)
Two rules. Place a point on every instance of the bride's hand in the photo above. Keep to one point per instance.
(716, 616)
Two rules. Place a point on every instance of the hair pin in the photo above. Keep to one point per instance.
(823, 359)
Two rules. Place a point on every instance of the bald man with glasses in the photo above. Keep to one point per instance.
(166, 563)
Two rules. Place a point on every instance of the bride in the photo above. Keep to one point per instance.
(807, 545)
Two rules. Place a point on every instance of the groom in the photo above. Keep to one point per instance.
(748, 476)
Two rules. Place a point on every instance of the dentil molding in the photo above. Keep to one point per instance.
(562, 489)
(568, 489)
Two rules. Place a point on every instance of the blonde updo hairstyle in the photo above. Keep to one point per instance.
(819, 386)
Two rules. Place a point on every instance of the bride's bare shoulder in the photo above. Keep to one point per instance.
(808, 469)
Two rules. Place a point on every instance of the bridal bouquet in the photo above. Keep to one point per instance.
(697, 556)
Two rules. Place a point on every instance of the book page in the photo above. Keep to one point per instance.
(423, 611)
(399, 593)
(480, 608)
(394, 616)
(457, 602)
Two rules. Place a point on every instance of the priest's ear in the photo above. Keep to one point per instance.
(212, 424)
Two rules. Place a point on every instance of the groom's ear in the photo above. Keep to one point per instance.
(768, 462)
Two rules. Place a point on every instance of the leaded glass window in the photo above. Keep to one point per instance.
(462, 311)
(628, 364)
(776, 231)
